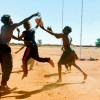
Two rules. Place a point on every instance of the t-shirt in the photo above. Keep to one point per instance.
(29, 35)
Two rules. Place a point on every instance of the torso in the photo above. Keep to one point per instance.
(66, 41)
(29, 35)
(6, 33)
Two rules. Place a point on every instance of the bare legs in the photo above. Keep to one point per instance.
(68, 67)
(59, 71)
(85, 75)
(24, 67)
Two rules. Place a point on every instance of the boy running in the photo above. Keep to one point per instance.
(31, 48)
(68, 57)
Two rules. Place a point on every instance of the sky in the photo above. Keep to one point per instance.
(57, 16)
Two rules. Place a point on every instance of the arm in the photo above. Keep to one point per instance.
(18, 30)
(27, 19)
(19, 37)
(62, 48)
(52, 33)
(16, 38)
(20, 49)
(38, 24)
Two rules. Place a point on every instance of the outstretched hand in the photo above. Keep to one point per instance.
(49, 28)
(42, 27)
(38, 14)
(39, 22)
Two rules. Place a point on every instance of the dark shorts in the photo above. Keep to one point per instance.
(5, 48)
(6, 62)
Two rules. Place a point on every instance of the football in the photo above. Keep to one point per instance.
(39, 21)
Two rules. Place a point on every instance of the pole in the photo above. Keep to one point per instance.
(62, 20)
(62, 12)
(81, 29)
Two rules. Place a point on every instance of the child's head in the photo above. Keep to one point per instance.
(27, 25)
(6, 19)
(67, 30)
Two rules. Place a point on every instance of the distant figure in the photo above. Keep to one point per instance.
(5, 51)
(31, 48)
(68, 57)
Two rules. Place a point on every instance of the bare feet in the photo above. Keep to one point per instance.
(85, 76)
(59, 80)
(24, 75)
(51, 63)
(4, 88)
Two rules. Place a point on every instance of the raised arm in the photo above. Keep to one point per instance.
(19, 37)
(37, 20)
(49, 30)
(27, 19)
(18, 30)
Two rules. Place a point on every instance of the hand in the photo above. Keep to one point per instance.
(18, 29)
(37, 14)
(49, 28)
(16, 52)
(42, 27)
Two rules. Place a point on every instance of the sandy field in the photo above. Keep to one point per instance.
(40, 84)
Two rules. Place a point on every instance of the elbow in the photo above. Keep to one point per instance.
(57, 37)
(19, 39)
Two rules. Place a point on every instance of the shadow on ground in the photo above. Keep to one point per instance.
(25, 94)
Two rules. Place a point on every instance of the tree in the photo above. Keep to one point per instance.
(97, 43)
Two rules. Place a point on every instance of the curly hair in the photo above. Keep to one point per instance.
(68, 28)
(5, 19)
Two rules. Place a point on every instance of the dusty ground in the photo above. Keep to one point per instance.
(41, 81)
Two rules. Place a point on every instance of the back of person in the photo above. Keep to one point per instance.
(29, 35)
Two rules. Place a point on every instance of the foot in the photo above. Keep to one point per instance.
(59, 80)
(4, 87)
(51, 63)
(24, 75)
(85, 76)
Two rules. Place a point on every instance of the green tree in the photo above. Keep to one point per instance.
(97, 43)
